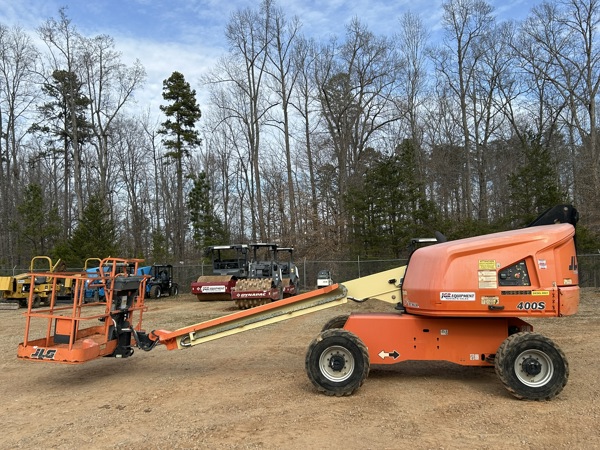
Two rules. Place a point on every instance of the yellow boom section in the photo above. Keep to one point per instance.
(384, 286)
(253, 318)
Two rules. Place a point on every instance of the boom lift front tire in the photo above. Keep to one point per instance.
(531, 366)
(337, 362)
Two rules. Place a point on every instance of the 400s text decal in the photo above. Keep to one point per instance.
(529, 306)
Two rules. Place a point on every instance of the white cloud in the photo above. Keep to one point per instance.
(189, 35)
(161, 59)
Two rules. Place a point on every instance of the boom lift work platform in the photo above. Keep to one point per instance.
(460, 301)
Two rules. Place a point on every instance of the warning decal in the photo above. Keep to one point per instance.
(487, 279)
(487, 264)
(540, 292)
(490, 300)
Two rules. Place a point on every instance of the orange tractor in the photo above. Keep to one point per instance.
(461, 301)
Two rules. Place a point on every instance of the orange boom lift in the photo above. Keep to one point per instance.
(461, 301)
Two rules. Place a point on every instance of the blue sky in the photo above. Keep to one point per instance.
(188, 35)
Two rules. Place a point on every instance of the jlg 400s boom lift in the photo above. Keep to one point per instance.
(461, 301)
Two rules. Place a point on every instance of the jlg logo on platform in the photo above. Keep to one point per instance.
(42, 353)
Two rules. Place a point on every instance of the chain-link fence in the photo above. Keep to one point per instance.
(307, 270)
(589, 271)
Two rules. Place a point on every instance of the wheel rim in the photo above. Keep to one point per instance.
(336, 363)
(534, 368)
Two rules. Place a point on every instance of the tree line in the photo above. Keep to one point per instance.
(341, 147)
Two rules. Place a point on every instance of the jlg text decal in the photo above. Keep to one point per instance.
(42, 353)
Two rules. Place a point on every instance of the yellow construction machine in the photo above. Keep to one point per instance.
(15, 290)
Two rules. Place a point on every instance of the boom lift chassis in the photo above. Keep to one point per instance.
(338, 360)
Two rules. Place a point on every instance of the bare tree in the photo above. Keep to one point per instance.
(305, 103)
(133, 166)
(412, 44)
(155, 211)
(443, 140)
(535, 108)
(18, 60)
(283, 37)
(564, 50)
(62, 40)
(220, 146)
(466, 22)
(248, 37)
(242, 74)
(110, 86)
(357, 81)
(229, 121)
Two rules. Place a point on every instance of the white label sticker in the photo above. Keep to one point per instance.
(457, 296)
(212, 289)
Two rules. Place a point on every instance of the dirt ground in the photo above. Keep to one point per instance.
(251, 391)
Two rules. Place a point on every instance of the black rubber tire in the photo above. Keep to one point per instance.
(337, 362)
(155, 291)
(174, 291)
(548, 366)
(37, 301)
(335, 322)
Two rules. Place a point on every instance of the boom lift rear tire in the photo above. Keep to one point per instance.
(337, 362)
(531, 366)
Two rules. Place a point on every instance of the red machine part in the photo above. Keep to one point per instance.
(213, 287)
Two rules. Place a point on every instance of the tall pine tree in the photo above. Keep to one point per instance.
(64, 119)
(180, 137)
